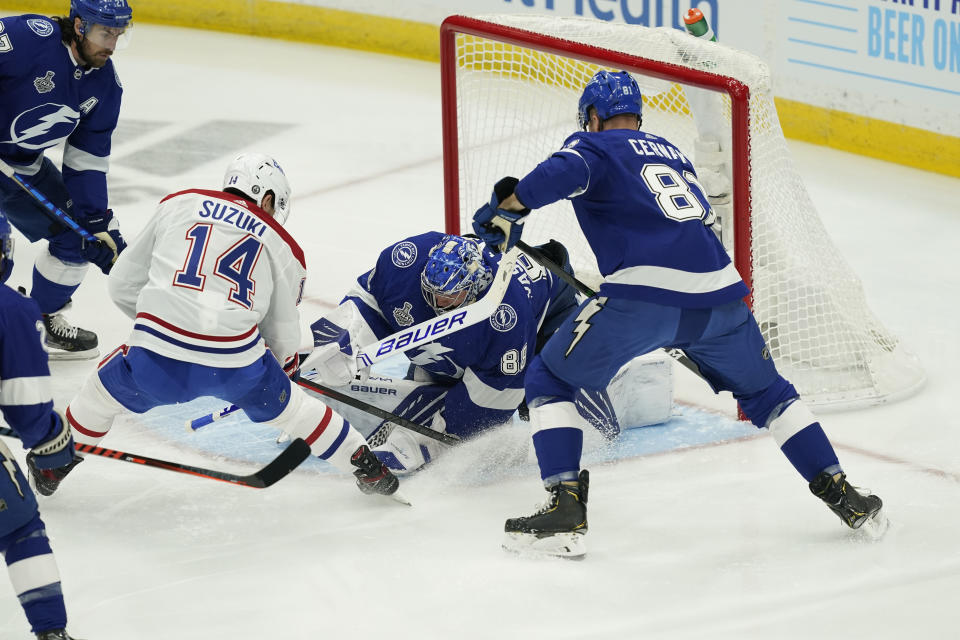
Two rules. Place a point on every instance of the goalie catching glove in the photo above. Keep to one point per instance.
(500, 228)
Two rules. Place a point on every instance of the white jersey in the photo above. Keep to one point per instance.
(213, 280)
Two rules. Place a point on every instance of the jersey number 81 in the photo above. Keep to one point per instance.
(673, 191)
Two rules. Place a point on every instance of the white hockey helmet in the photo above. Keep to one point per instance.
(256, 174)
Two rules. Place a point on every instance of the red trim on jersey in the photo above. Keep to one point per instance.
(251, 207)
(191, 334)
(320, 427)
(76, 426)
(121, 349)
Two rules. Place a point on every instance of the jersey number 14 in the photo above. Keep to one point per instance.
(233, 265)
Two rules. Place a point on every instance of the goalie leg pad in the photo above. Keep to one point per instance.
(405, 451)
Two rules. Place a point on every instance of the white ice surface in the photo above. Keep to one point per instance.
(715, 542)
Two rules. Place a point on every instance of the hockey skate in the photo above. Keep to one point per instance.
(857, 510)
(373, 476)
(56, 634)
(557, 528)
(67, 342)
(46, 481)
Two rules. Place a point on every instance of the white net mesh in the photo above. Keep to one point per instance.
(515, 105)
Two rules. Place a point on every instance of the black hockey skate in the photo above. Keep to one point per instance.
(372, 475)
(56, 634)
(558, 527)
(855, 509)
(46, 481)
(67, 342)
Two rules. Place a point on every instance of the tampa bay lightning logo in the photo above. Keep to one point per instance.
(404, 254)
(43, 126)
(504, 318)
(42, 28)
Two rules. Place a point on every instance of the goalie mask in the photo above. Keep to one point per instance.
(256, 175)
(455, 274)
(6, 249)
(611, 94)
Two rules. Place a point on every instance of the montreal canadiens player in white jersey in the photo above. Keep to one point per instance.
(59, 86)
(667, 283)
(27, 406)
(212, 284)
(464, 382)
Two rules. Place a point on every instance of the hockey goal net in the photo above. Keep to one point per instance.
(510, 89)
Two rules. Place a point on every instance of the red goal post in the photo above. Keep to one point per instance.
(510, 85)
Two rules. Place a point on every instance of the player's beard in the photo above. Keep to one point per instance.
(91, 55)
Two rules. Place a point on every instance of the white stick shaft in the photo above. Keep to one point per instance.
(447, 323)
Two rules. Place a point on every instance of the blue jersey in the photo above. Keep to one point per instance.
(489, 357)
(641, 208)
(26, 400)
(48, 98)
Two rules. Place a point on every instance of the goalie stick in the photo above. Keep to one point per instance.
(444, 438)
(288, 460)
(51, 209)
(383, 414)
(557, 270)
(444, 324)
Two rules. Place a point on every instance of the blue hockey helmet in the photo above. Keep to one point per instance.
(6, 249)
(455, 274)
(611, 94)
(116, 14)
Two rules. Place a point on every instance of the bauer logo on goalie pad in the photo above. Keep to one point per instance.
(404, 254)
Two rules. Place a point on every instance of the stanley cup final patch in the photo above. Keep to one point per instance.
(45, 84)
(403, 316)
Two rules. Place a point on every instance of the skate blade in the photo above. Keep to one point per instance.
(570, 546)
(874, 528)
(59, 354)
(399, 497)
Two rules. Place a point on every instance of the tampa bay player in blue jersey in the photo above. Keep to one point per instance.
(667, 283)
(59, 85)
(472, 379)
(27, 406)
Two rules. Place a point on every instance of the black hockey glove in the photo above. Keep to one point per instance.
(500, 229)
(109, 244)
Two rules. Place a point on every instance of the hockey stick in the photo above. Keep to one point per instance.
(374, 410)
(557, 270)
(203, 421)
(288, 460)
(447, 323)
(52, 210)
(383, 414)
